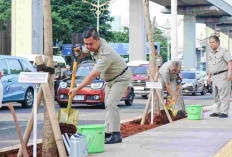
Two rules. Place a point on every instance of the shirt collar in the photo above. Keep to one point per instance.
(101, 45)
(218, 49)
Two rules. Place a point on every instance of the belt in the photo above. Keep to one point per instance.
(219, 72)
(118, 75)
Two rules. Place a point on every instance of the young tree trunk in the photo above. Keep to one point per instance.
(49, 144)
(152, 62)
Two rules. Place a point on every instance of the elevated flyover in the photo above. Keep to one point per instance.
(216, 14)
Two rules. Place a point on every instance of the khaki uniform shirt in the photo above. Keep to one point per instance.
(159, 60)
(165, 73)
(218, 61)
(108, 62)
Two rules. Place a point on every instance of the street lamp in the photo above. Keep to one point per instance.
(97, 8)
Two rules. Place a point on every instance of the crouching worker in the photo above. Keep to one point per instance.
(168, 78)
(112, 69)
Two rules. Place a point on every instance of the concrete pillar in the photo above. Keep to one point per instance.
(137, 36)
(230, 40)
(37, 27)
(209, 31)
(229, 46)
(174, 39)
(27, 27)
(190, 59)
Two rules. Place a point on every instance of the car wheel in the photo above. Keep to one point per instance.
(29, 99)
(195, 92)
(203, 91)
(103, 106)
(63, 104)
(144, 96)
(211, 91)
(130, 98)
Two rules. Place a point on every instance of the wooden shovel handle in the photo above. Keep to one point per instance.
(25, 153)
(72, 85)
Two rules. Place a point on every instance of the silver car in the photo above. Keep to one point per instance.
(192, 83)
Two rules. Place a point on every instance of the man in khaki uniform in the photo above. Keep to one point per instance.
(158, 59)
(220, 70)
(167, 76)
(111, 68)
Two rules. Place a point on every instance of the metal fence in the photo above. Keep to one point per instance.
(5, 39)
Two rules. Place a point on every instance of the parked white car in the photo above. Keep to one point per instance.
(134, 64)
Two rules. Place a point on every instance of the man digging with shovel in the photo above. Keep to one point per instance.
(168, 78)
(112, 69)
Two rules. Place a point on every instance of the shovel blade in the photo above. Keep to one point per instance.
(174, 112)
(72, 118)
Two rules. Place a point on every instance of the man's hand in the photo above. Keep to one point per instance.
(74, 92)
(77, 50)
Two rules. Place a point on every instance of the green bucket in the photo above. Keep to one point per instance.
(96, 133)
(194, 112)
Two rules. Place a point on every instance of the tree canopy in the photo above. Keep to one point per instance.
(162, 39)
(121, 37)
(70, 16)
(5, 12)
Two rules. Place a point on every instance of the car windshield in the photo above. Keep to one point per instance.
(141, 70)
(188, 75)
(83, 71)
(132, 69)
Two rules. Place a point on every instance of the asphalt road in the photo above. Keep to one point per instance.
(87, 115)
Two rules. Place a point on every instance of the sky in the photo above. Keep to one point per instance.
(229, 2)
(121, 8)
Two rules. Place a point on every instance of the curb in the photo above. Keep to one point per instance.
(39, 141)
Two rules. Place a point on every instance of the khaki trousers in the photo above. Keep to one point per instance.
(114, 91)
(221, 89)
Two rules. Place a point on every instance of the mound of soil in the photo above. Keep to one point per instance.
(134, 127)
(127, 129)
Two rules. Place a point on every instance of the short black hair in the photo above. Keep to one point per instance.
(90, 32)
(216, 38)
(156, 47)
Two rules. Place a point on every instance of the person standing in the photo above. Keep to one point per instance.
(220, 70)
(112, 69)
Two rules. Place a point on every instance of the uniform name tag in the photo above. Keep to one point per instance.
(156, 85)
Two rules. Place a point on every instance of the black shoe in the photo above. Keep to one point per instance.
(223, 115)
(214, 115)
(114, 138)
(107, 135)
(180, 113)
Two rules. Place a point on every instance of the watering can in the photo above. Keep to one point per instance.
(79, 146)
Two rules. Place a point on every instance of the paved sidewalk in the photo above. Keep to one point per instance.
(183, 138)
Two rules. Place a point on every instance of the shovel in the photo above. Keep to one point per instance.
(171, 104)
(175, 111)
(69, 115)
